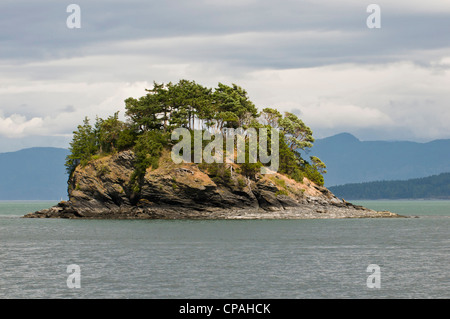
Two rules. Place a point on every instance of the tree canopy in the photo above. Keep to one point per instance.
(152, 117)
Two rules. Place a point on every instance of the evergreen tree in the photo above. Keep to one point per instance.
(152, 117)
(83, 146)
(298, 135)
(234, 99)
(188, 101)
(318, 164)
(271, 116)
(108, 133)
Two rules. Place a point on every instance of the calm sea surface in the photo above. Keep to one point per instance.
(227, 259)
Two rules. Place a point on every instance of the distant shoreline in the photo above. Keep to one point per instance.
(431, 187)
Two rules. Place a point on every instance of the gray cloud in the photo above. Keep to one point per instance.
(314, 57)
(68, 109)
(31, 31)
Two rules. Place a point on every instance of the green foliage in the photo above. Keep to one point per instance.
(167, 106)
(318, 164)
(297, 175)
(227, 119)
(313, 174)
(147, 112)
(235, 100)
(290, 164)
(250, 169)
(147, 151)
(126, 139)
(298, 135)
(108, 136)
(82, 147)
(251, 166)
(152, 117)
(271, 116)
(279, 182)
(282, 192)
(113, 135)
(187, 101)
(219, 173)
(241, 183)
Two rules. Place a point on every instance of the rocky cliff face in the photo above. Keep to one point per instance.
(102, 190)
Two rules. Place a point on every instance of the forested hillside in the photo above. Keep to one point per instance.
(432, 187)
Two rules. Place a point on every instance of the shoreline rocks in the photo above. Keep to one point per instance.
(62, 210)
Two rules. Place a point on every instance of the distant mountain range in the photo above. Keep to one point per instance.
(432, 187)
(33, 174)
(350, 160)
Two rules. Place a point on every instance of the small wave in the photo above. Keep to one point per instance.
(432, 216)
(10, 216)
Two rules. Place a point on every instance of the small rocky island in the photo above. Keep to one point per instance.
(125, 170)
(184, 191)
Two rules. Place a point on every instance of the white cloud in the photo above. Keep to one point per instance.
(50, 99)
(17, 125)
(343, 117)
(404, 98)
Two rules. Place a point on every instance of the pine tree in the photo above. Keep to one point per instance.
(83, 146)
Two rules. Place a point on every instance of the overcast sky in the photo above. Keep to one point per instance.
(316, 58)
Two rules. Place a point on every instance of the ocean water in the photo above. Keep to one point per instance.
(227, 259)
